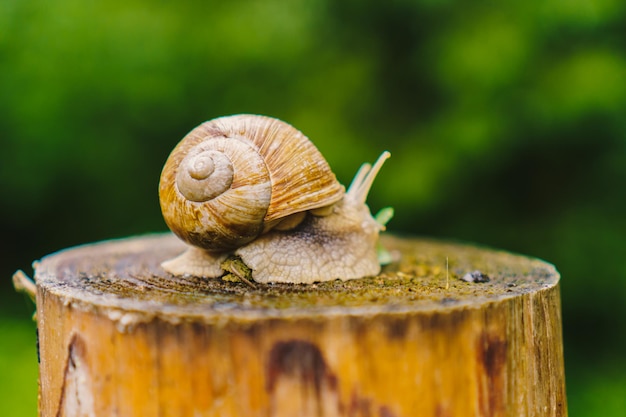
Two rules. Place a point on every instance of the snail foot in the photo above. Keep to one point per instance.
(196, 262)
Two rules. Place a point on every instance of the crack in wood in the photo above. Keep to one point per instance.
(76, 397)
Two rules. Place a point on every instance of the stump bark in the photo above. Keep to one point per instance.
(119, 336)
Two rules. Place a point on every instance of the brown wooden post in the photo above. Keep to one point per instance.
(120, 337)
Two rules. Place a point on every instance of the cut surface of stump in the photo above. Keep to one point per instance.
(120, 336)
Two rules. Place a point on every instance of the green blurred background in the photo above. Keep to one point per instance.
(506, 122)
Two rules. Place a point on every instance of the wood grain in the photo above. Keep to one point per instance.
(121, 337)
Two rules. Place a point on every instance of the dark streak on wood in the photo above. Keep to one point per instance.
(396, 329)
(305, 362)
(492, 355)
(302, 360)
(37, 344)
(384, 411)
(440, 411)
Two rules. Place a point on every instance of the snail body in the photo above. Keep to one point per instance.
(257, 188)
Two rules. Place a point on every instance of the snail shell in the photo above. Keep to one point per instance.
(233, 178)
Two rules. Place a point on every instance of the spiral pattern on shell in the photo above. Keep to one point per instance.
(233, 178)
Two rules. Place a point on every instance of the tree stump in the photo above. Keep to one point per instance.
(118, 336)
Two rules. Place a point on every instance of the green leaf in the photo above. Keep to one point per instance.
(384, 216)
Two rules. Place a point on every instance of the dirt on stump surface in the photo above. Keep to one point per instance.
(427, 275)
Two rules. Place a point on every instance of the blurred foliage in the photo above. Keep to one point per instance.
(18, 362)
(506, 122)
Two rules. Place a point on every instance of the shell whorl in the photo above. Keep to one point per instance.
(204, 174)
(232, 178)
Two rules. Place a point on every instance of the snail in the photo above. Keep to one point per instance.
(255, 188)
